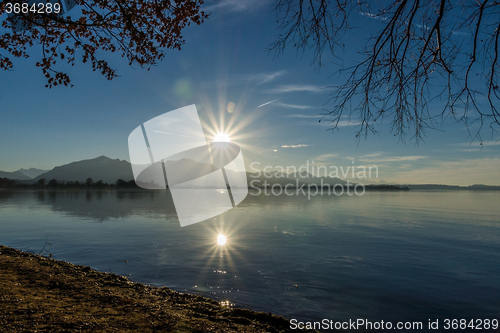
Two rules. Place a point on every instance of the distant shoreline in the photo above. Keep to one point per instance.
(368, 188)
(6, 183)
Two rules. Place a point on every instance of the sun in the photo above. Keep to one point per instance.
(221, 239)
(221, 137)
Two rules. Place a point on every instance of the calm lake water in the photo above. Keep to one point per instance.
(392, 256)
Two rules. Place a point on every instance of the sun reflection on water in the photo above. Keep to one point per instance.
(226, 303)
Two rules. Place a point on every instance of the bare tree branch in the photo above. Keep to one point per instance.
(419, 68)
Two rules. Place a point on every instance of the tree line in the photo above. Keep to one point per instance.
(54, 183)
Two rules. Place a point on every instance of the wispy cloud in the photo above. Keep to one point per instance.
(479, 144)
(392, 159)
(340, 123)
(373, 16)
(257, 78)
(261, 78)
(344, 123)
(287, 88)
(385, 18)
(232, 5)
(325, 157)
(295, 106)
(372, 155)
(302, 115)
(473, 147)
(471, 150)
(295, 146)
(254, 79)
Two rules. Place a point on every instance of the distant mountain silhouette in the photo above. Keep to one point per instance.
(32, 172)
(100, 168)
(110, 170)
(16, 175)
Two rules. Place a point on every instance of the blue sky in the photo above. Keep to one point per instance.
(224, 61)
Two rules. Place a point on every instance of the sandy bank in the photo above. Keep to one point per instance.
(42, 294)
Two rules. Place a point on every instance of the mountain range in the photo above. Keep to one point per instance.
(100, 168)
(110, 170)
(22, 174)
(32, 172)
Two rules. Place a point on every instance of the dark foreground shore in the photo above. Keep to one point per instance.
(39, 294)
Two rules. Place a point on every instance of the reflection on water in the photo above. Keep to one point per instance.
(382, 256)
(102, 205)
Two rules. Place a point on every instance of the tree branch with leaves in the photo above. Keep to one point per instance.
(140, 30)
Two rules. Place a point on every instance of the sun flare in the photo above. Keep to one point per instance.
(221, 137)
(221, 239)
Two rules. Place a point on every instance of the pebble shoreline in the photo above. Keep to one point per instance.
(39, 294)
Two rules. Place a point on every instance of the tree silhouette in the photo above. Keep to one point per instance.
(121, 183)
(140, 30)
(7, 183)
(53, 183)
(89, 181)
(444, 51)
(41, 182)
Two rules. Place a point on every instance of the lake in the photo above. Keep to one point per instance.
(392, 256)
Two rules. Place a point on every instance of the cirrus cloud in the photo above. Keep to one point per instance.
(287, 88)
(295, 146)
